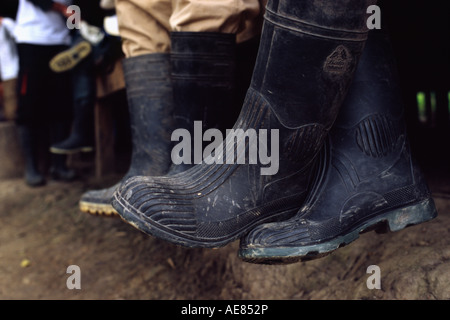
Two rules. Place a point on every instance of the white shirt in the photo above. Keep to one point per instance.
(9, 59)
(35, 26)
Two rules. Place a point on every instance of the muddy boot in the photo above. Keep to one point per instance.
(306, 59)
(150, 103)
(28, 141)
(203, 78)
(366, 180)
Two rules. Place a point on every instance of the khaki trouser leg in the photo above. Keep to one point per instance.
(241, 17)
(145, 25)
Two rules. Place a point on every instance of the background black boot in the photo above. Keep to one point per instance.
(203, 78)
(81, 138)
(366, 180)
(306, 59)
(28, 137)
(150, 104)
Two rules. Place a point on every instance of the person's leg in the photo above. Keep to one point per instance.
(367, 178)
(144, 30)
(59, 99)
(29, 116)
(144, 26)
(306, 60)
(81, 138)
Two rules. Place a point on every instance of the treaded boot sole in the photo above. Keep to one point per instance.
(393, 220)
(98, 209)
(68, 59)
(158, 230)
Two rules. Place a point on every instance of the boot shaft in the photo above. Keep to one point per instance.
(373, 111)
(375, 88)
(150, 105)
(305, 73)
(203, 77)
(368, 162)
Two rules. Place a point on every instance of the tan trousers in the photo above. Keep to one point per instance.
(145, 25)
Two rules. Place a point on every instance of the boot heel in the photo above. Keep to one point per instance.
(412, 215)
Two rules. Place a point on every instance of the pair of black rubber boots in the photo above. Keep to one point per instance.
(344, 164)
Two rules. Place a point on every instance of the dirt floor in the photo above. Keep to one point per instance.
(42, 232)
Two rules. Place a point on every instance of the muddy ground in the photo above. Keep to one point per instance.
(42, 232)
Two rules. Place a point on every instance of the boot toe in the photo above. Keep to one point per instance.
(98, 202)
(34, 180)
(277, 243)
(278, 234)
(150, 204)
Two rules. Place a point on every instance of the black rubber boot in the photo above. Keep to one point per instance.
(307, 57)
(81, 138)
(28, 140)
(150, 103)
(367, 179)
(203, 78)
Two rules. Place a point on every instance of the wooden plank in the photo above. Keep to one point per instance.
(11, 156)
(104, 129)
(111, 82)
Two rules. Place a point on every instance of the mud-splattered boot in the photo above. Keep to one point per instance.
(306, 59)
(366, 179)
(150, 103)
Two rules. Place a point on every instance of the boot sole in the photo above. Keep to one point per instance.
(394, 220)
(98, 209)
(35, 183)
(68, 59)
(71, 151)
